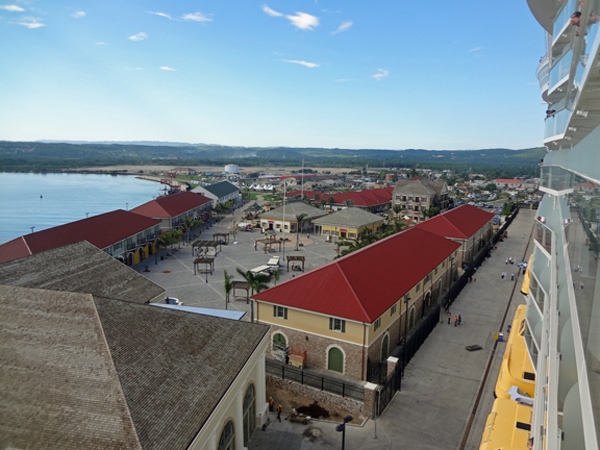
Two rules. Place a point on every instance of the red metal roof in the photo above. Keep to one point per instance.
(363, 285)
(365, 198)
(459, 223)
(171, 205)
(100, 231)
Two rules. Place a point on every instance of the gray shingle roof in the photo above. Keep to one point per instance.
(420, 187)
(221, 189)
(81, 268)
(84, 371)
(174, 366)
(349, 217)
(58, 385)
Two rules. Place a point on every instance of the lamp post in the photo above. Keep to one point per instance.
(406, 300)
(342, 427)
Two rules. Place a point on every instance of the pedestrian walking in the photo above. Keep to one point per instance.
(581, 285)
(271, 404)
(459, 319)
(503, 275)
(506, 262)
(449, 316)
(279, 413)
(455, 320)
(512, 277)
(254, 245)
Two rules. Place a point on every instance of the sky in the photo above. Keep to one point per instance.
(390, 74)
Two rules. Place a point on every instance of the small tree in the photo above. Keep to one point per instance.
(397, 208)
(348, 202)
(330, 200)
(299, 219)
(276, 275)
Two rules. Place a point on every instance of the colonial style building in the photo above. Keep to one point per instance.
(354, 309)
(348, 223)
(125, 235)
(172, 209)
(220, 192)
(468, 225)
(275, 219)
(416, 196)
(88, 364)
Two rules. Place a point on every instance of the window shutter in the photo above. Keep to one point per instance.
(343, 326)
(274, 311)
(285, 313)
(331, 323)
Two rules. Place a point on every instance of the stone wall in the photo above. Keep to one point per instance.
(353, 406)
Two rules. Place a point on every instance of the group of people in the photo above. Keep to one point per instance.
(271, 404)
(457, 319)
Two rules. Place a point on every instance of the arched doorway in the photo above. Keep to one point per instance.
(335, 360)
(385, 347)
(227, 439)
(249, 414)
(279, 342)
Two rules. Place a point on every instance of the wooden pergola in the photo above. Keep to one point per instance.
(209, 264)
(294, 258)
(268, 243)
(217, 236)
(207, 244)
(242, 285)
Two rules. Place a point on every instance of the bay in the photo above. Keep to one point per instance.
(47, 200)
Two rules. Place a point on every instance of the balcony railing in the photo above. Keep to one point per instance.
(560, 71)
(563, 18)
(556, 125)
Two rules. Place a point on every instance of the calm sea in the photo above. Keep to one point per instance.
(44, 201)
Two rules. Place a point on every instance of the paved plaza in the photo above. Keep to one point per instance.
(176, 273)
(436, 407)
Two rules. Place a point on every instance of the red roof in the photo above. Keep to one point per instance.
(101, 231)
(503, 180)
(366, 198)
(171, 205)
(363, 285)
(459, 223)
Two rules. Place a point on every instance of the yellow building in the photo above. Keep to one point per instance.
(348, 223)
(354, 310)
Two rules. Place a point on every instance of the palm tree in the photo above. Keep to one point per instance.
(348, 202)
(299, 219)
(397, 208)
(323, 201)
(228, 285)
(257, 282)
(276, 275)
(330, 200)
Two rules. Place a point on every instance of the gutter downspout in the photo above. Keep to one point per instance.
(362, 370)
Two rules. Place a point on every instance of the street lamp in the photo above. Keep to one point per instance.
(342, 427)
(406, 300)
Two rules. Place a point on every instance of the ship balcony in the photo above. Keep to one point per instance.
(560, 29)
(559, 77)
(543, 76)
(556, 126)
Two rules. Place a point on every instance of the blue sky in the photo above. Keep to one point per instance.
(391, 74)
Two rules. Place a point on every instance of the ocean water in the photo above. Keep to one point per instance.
(47, 200)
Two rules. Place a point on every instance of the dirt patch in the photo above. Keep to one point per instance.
(307, 406)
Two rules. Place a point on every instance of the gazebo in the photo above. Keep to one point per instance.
(208, 245)
(268, 243)
(294, 258)
(209, 264)
(217, 237)
(242, 285)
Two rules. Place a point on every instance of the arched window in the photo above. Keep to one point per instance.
(335, 360)
(249, 414)
(385, 348)
(279, 342)
(227, 439)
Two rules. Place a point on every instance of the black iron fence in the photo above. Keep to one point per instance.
(417, 337)
(297, 375)
(388, 390)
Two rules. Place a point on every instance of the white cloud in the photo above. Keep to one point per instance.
(31, 22)
(100, 43)
(302, 63)
(343, 27)
(160, 14)
(139, 68)
(138, 37)
(476, 49)
(270, 12)
(12, 8)
(196, 17)
(78, 14)
(168, 68)
(303, 21)
(381, 74)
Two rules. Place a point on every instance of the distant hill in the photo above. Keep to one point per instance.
(57, 156)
